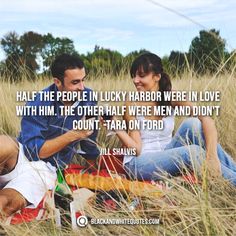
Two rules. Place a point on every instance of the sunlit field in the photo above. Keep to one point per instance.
(205, 209)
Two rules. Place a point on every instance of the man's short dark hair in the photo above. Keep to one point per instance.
(64, 62)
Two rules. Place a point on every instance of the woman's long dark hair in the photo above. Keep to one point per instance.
(147, 63)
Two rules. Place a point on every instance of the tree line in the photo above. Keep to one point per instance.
(26, 53)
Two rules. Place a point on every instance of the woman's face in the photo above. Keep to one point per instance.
(146, 82)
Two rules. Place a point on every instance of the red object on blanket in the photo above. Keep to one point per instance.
(190, 179)
(113, 163)
(28, 214)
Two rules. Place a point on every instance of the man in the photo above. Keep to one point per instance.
(47, 141)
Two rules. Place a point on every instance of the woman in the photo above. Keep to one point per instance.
(157, 151)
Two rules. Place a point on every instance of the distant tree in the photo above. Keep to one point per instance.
(86, 61)
(177, 62)
(166, 64)
(21, 54)
(11, 43)
(104, 61)
(97, 48)
(11, 46)
(230, 59)
(207, 51)
(31, 45)
(232, 56)
(129, 58)
(54, 47)
(2, 67)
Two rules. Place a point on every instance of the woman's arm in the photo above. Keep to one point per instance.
(210, 134)
(132, 138)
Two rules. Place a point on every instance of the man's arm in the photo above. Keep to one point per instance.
(37, 145)
(55, 145)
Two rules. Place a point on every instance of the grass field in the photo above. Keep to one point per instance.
(207, 209)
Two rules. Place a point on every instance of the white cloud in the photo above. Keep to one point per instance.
(105, 34)
(98, 6)
(146, 12)
(117, 23)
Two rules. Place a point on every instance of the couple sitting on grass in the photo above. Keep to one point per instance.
(28, 165)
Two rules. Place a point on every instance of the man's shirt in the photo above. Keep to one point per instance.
(35, 130)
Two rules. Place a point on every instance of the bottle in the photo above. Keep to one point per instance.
(62, 198)
(134, 204)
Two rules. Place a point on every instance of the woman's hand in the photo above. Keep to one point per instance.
(103, 121)
(213, 165)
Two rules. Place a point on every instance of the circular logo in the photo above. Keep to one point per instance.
(82, 221)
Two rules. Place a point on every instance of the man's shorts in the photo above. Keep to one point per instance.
(30, 178)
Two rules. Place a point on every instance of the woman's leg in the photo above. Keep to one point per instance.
(228, 174)
(225, 158)
(190, 132)
(152, 166)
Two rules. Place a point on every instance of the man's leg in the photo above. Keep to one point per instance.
(10, 200)
(9, 150)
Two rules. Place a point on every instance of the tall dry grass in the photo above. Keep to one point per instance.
(207, 209)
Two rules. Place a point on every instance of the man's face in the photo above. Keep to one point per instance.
(73, 80)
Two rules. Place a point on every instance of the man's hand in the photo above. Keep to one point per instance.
(77, 135)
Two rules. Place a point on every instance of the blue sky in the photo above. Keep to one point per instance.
(123, 25)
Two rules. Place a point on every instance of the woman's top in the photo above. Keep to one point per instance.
(154, 140)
